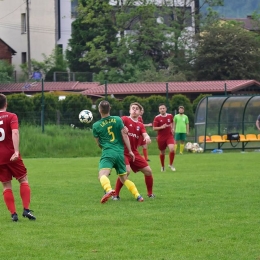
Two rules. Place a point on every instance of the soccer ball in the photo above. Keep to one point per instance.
(85, 116)
(188, 146)
(200, 150)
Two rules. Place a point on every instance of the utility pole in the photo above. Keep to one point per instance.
(28, 40)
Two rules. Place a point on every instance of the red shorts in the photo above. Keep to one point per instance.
(138, 164)
(163, 143)
(14, 169)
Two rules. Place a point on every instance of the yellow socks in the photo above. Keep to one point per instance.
(105, 183)
(175, 147)
(181, 148)
(132, 188)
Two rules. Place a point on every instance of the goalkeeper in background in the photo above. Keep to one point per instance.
(180, 128)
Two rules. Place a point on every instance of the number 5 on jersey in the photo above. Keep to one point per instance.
(111, 133)
(2, 132)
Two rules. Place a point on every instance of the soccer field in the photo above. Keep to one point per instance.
(208, 209)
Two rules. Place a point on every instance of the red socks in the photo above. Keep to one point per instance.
(9, 200)
(25, 193)
(149, 184)
(171, 157)
(119, 186)
(162, 156)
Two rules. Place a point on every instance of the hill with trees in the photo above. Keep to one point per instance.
(236, 8)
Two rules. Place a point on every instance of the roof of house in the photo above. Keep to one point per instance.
(173, 87)
(95, 89)
(248, 23)
(48, 86)
(11, 49)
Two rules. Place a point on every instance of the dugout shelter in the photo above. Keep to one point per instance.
(217, 117)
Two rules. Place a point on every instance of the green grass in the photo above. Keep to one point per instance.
(208, 209)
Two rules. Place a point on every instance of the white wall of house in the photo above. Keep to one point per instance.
(44, 21)
(66, 19)
(42, 28)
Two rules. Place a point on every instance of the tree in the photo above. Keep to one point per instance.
(116, 106)
(226, 51)
(55, 62)
(131, 40)
(197, 100)
(22, 105)
(6, 71)
(71, 106)
(51, 107)
(95, 15)
(78, 48)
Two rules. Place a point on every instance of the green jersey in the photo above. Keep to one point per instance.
(181, 122)
(108, 132)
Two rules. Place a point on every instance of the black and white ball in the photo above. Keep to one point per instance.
(85, 116)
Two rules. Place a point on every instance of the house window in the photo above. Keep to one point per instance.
(24, 58)
(74, 6)
(23, 22)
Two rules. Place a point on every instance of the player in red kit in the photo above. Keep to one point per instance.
(141, 141)
(163, 124)
(11, 163)
(136, 130)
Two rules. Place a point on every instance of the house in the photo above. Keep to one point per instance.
(49, 26)
(6, 52)
(42, 34)
(248, 23)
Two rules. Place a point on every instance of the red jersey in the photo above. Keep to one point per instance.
(8, 122)
(135, 131)
(160, 120)
(140, 119)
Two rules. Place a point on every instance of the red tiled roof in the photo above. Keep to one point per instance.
(94, 89)
(48, 86)
(173, 87)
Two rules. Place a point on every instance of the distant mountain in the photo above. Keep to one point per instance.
(236, 8)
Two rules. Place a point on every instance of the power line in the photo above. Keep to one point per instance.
(34, 29)
(12, 11)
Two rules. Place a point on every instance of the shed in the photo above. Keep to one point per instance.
(217, 117)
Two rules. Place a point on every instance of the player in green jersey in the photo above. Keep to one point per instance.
(110, 136)
(181, 128)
